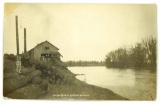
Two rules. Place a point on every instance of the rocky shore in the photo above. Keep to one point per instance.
(42, 82)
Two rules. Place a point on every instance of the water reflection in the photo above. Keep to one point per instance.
(106, 77)
(130, 83)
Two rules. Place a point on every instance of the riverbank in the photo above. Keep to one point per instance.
(80, 91)
(32, 83)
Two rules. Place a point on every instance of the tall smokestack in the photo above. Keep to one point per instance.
(25, 47)
(17, 37)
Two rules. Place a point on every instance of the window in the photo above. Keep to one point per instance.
(47, 48)
(46, 55)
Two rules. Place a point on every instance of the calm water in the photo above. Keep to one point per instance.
(130, 83)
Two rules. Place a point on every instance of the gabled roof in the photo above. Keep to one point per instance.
(47, 42)
(42, 43)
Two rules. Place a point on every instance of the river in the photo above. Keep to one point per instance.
(129, 83)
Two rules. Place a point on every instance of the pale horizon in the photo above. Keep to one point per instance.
(84, 32)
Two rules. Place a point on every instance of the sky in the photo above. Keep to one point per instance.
(81, 31)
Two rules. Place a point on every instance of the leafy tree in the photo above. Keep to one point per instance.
(143, 54)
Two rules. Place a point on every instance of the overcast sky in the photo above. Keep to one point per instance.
(80, 31)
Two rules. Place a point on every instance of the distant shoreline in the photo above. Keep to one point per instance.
(86, 66)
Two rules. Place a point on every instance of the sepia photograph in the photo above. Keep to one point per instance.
(80, 51)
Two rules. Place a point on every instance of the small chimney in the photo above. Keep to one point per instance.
(17, 37)
(25, 47)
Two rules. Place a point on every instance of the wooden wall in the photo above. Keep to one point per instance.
(40, 49)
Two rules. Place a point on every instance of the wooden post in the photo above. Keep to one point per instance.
(25, 47)
(17, 37)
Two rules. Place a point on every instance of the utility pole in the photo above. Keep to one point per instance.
(17, 36)
(25, 47)
(18, 61)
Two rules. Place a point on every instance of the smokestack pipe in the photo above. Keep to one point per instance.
(17, 37)
(25, 47)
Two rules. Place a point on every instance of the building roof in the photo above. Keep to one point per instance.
(42, 43)
(47, 42)
(56, 53)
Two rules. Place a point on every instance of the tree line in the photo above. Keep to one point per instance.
(85, 63)
(142, 54)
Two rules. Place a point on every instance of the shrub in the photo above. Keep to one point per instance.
(12, 57)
